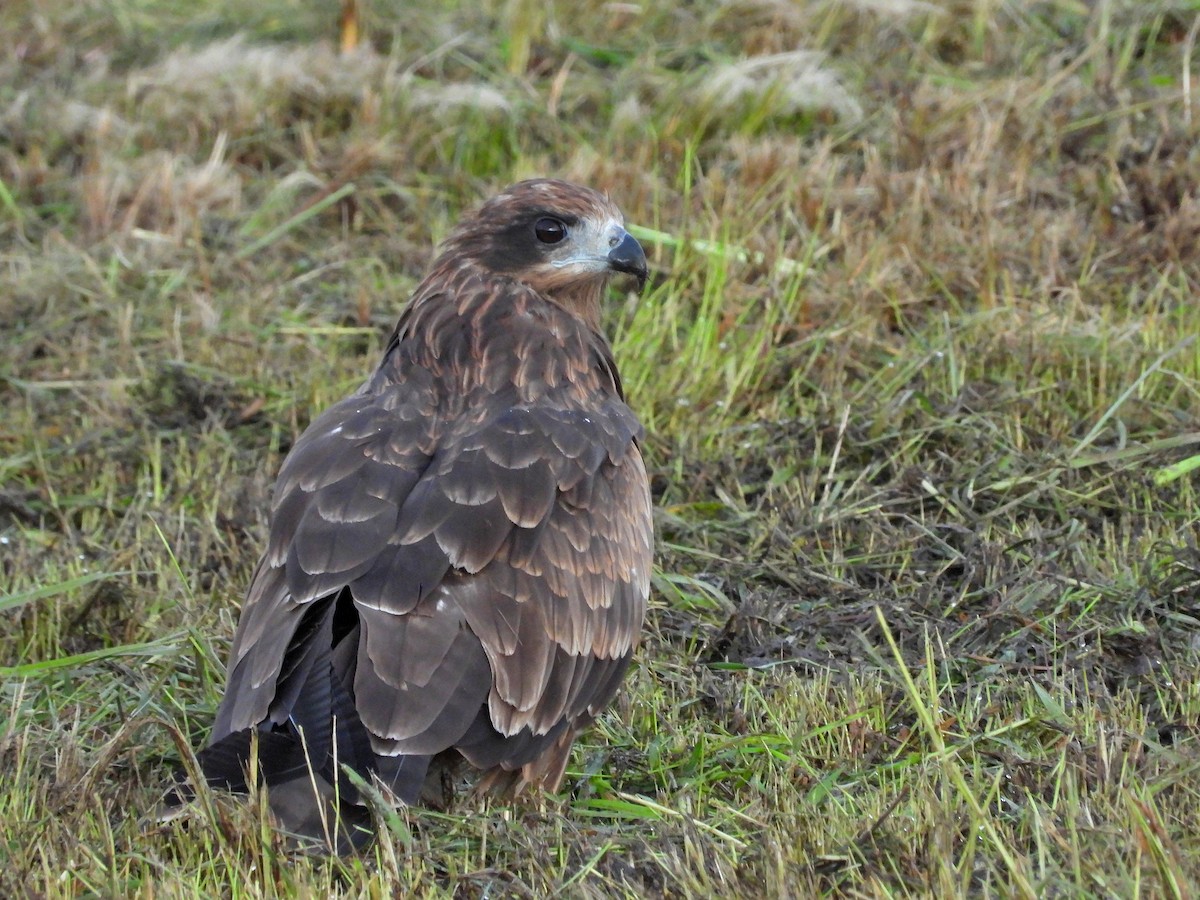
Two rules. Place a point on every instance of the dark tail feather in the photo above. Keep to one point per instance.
(308, 807)
(301, 759)
(404, 776)
(224, 764)
(281, 758)
(311, 735)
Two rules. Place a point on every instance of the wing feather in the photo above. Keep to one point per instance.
(402, 576)
(431, 712)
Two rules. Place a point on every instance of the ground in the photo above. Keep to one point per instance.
(919, 369)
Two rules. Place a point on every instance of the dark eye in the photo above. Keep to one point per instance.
(549, 231)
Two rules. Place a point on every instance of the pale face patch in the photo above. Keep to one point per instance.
(585, 251)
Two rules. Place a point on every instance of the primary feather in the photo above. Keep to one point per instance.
(460, 551)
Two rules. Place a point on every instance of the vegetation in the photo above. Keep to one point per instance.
(918, 365)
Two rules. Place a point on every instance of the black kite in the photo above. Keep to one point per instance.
(460, 551)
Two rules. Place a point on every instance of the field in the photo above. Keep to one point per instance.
(918, 365)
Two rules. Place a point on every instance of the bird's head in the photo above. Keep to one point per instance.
(563, 240)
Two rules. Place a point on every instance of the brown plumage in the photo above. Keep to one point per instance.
(460, 551)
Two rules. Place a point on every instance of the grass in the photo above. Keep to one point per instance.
(917, 363)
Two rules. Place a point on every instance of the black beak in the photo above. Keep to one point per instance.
(628, 257)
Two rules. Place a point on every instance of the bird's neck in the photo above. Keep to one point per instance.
(466, 329)
(583, 300)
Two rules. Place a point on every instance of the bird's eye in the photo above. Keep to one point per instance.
(549, 231)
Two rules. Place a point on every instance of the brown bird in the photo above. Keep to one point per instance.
(459, 555)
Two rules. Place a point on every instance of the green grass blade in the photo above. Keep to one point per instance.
(12, 601)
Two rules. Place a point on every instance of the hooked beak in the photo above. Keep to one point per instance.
(627, 256)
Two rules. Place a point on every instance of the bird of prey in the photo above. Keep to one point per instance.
(459, 553)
